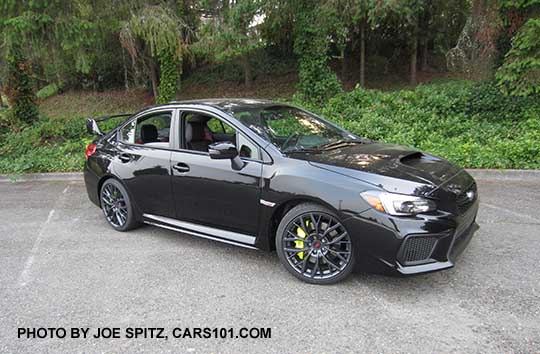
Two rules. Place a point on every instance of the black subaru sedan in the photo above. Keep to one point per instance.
(266, 175)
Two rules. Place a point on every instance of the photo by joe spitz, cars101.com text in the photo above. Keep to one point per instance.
(271, 176)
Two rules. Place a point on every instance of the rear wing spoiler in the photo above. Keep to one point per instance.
(92, 123)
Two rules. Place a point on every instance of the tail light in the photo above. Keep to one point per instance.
(90, 149)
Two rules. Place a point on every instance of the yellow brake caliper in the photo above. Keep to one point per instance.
(300, 244)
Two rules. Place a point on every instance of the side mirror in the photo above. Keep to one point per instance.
(92, 127)
(222, 150)
(225, 150)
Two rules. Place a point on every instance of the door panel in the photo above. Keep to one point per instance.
(143, 161)
(210, 192)
(146, 173)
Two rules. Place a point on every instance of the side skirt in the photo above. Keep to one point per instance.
(207, 232)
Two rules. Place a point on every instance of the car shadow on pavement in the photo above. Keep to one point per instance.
(369, 273)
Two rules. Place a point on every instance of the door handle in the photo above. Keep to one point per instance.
(181, 167)
(125, 157)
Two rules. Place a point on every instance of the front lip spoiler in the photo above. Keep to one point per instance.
(424, 268)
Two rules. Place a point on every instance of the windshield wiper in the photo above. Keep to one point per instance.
(339, 143)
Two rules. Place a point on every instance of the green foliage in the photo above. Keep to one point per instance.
(81, 44)
(56, 142)
(473, 125)
(58, 35)
(19, 87)
(158, 27)
(168, 77)
(156, 34)
(48, 145)
(235, 35)
(267, 64)
(317, 82)
(47, 91)
(8, 121)
(520, 73)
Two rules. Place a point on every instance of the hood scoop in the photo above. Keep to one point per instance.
(409, 158)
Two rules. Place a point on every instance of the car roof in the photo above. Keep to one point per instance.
(229, 103)
(223, 104)
(226, 105)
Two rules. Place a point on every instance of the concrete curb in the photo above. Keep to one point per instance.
(506, 175)
(493, 175)
(55, 176)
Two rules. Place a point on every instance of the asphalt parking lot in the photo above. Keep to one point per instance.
(61, 265)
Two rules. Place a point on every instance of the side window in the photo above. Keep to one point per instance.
(151, 130)
(202, 130)
(127, 133)
(217, 126)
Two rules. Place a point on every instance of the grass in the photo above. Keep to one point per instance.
(94, 104)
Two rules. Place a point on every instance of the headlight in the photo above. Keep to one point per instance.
(397, 204)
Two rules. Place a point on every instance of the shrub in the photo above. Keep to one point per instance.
(48, 145)
(47, 91)
(520, 73)
(471, 124)
(8, 121)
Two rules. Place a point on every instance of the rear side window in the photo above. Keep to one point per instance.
(127, 133)
(150, 130)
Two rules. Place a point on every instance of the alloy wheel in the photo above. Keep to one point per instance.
(317, 245)
(114, 205)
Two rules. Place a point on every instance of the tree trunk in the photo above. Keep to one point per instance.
(248, 79)
(362, 54)
(414, 50)
(424, 33)
(425, 55)
(154, 78)
(126, 81)
(343, 64)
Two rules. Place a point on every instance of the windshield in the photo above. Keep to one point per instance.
(291, 129)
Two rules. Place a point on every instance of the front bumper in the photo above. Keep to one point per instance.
(458, 244)
(411, 245)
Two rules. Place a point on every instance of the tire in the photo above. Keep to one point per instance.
(116, 206)
(314, 246)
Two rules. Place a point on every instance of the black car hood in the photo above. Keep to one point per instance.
(392, 167)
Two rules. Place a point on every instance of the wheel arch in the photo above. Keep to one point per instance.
(104, 178)
(100, 184)
(283, 208)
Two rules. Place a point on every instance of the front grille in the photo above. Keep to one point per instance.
(418, 248)
(463, 200)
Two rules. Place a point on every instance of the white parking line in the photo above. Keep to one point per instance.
(24, 278)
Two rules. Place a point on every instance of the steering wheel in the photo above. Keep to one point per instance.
(290, 138)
